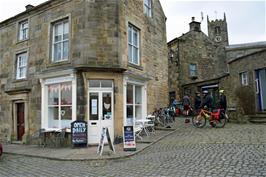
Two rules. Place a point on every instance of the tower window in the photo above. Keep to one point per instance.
(217, 30)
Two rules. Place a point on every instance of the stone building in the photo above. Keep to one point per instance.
(247, 79)
(195, 57)
(200, 62)
(63, 61)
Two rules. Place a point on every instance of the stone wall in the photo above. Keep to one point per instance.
(153, 54)
(98, 39)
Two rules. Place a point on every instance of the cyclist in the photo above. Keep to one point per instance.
(207, 100)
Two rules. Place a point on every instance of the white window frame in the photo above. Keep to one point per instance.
(148, 8)
(143, 85)
(192, 72)
(61, 42)
(23, 30)
(51, 81)
(244, 78)
(21, 65)
(133, 30)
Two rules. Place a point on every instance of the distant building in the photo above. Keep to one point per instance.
(104, 62)
(200, 62)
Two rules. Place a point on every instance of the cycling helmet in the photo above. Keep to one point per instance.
(205, 91)
(221, 91)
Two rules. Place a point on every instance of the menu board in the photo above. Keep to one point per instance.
(79, 132)
(129, 139)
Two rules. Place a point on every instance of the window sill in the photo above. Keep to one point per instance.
(193, 77)
(59, 63)
(21, 41)
(135, 66)
(20, 80)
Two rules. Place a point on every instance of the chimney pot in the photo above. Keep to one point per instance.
(193, 19)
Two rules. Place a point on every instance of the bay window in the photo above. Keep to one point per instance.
(59, 105)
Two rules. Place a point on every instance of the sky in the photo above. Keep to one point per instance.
(246, 19)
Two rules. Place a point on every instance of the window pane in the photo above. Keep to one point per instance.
(66, 94)
(66, 27)
(138, 95)
(130, 53)
(53, 118)
(129, 111)
(129, 94)
(107, 106)
(53, 94)
(106, 83)
(135, 55)
(66, 113)
(58, 29)
(57, 52)
(94, 102)
(130, 35)
(94, 83)
(65, 50)
(135, 38)
(138, 111)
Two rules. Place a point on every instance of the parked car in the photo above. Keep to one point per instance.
(1, 149)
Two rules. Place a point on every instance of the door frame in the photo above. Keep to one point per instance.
(100, 91)
(15, 119)
(259, 89)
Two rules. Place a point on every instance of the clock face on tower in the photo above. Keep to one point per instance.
(218, 38)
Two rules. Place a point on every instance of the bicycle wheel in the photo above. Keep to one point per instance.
(199, 121)
(220, 123)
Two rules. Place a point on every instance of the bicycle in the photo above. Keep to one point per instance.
(216, 118)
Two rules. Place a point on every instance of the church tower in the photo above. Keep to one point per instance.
(217, 31)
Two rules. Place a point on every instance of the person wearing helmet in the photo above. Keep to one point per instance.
(207, 100)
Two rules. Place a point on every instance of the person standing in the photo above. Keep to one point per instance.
(223, 104)
(186, 104)
(197, 101)
(222, 100)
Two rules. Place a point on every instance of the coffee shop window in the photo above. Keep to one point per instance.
(59, 105)
(133, 102)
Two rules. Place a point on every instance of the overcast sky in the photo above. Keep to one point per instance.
(245, 19)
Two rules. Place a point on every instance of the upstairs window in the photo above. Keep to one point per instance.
(192, 70)
(21, 66)
(244, 78)
(147, 7)
(23, 30)
(133, 45)
(60, 42)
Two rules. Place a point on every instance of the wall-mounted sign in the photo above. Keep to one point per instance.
(79, 132)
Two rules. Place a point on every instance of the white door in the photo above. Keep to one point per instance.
(100, 114)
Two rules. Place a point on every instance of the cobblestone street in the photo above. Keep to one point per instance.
(236, 150)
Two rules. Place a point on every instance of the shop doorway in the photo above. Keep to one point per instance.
(100, 102)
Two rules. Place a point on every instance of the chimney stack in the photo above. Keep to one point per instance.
(28, 7)
(194, 26)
